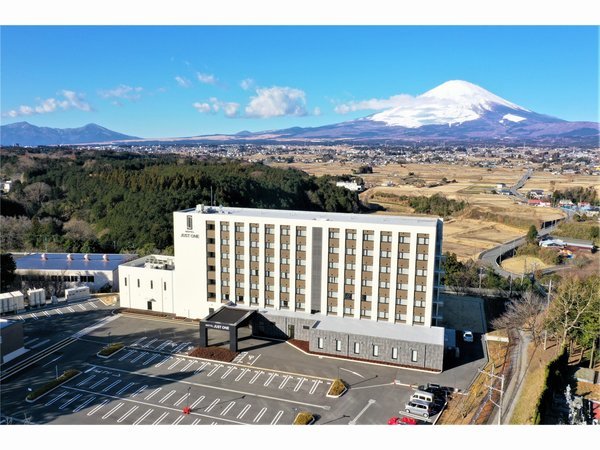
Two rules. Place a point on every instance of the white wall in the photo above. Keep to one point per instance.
(133, 297)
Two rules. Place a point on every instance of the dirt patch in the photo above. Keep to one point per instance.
(523, 264)
(216, 353)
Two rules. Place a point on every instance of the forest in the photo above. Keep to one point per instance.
(92, 201)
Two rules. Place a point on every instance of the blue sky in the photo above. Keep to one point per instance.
(182, 81)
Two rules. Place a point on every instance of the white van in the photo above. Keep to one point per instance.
(419, 407)
(423, 395)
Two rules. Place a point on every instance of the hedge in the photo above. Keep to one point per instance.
(338, 387)
(304, 418)
(67, 375)
(110, 349)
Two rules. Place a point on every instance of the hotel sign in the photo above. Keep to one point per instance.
(217, 326)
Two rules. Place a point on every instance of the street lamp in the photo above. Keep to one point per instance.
(109, 338)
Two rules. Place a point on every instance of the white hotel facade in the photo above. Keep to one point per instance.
(370, 274)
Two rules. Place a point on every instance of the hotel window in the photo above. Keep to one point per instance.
(225, 297)
(269, 245)
(385, 238)
(350, 281)
(285, 260)
(125, 279)
(420, 303)
(413, 355)
(254, 300)
(270, 288)
(333, 265)
(138, 282)
(299, 305)
(356, 348)
(382, 314)
(384, 284)
(332, 279)
(404, 239)
(332, 294)
(368, 237)
(151, 284)
(420, 288)
(190, 223)
(254, 258)
(350, 251)
(334, 235)
(385, 254)
(422, 272)
(367, 252)
(367, 268)
(253, 229)
(165, 286)
(348, 310)
(348, 296)
(403, 255)
(338, 345)
(224, 269)
(224, 227)
(269, 230)
(285, 304)
(239, 256)
(254, 244)
(320, 342)
(403, 270)
(285, 275)
(224, 241)
(211, 254)
(300, 276)
(253, 285)
(351, 236)
(239, 228)
(283, 288)
(254, 272)
(224, 283)
(299, 291)
(301, 262)
(366, 298)
(301, 247)
(350, 266)
(423, 240)
(375, 350)
(394, 352)
(211, 240)
(300, 232)
(224, 255)
(285, 231)
(403, 317)
(422, 256)
(385, 269)
(384, 300)
(270, 259)
(268, 273)
(239, 270)
(367, 282)
(403, 286)
(419, 319)
(210, 226)
(334, 250)
(285, 246)
(240, 298)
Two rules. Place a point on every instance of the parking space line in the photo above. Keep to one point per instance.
(110, 386)
(227, 408)
(34, 316)
(81, 383)
(199, 369)
(59, 311)
(197, 421)
(125, 388)
(21, 318)
(55, 399)
(149, 343)
(160, 419)
(284, 382)
(175, 363)
(70, 309)
(297, 388)
(140, 356)
(178, 402)
(227, 372)
(254, 360)
(139, 341)
(104, 402)
(112, 410)
(241, 375)
(314, 386)
(238, 359)
(212, 372)
(127, 414)
(84, 404)
(68, 402)
(141, 419)
(93, 305)
(166, 397)
(197, 402)
(273, 375)
(212, 405)
(126, 355)
(179, 419)
(152, 358)
(46, 313)
(243, 411)
(153, 393)
(163, 361)
(98, 383)
(163, 345)
(214, 423)
(81, 307)
(277, 417)
(259, 415)
(187, 366)
(181, 347)
(31, 341)
(39, 344)
(139, 391)
(255, 377)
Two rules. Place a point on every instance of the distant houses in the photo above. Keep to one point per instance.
(350, 185)
(569, 243)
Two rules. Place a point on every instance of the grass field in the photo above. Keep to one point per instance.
(523, 264)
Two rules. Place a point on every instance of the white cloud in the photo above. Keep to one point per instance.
(317, 111)
(277, 101)
(206, 78)
(69, 100)
(214, 105)
(247, 83)
(122, 91)
(376, 104)
(183, 82)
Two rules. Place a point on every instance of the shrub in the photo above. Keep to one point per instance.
(110, 349)
(304, 418)
(337, 387)
(67, 375)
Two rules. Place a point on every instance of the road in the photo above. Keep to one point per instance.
(519, 184)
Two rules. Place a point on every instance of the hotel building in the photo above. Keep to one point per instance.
(314, 276)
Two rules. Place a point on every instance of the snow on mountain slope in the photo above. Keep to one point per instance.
(453, 102)
(512, 118)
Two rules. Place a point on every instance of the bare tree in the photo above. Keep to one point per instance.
(523, 314)
(37, 193)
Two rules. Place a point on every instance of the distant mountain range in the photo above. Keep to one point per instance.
(23, 133)
(454, 112)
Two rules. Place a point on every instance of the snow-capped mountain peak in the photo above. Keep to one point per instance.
(453, 102)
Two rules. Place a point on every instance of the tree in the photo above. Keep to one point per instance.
(573, 314)
(522, 314)
(7, 271)
(532, 235)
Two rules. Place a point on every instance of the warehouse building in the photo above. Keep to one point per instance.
(363, 286)
(60, 271)
(11, 340)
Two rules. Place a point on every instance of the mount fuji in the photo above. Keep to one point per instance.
(453, 112)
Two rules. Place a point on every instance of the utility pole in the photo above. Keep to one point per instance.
(492, 388)
(547, 306)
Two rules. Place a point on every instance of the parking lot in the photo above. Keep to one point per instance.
(152, 379)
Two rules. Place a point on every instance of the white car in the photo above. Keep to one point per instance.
(468, 336)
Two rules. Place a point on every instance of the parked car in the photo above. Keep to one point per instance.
(402, 421)
(468, 336)
(419, 408)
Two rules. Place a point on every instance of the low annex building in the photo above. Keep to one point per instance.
(352, 285)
